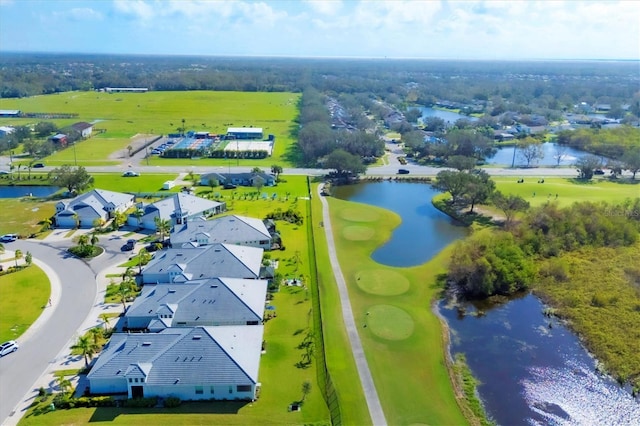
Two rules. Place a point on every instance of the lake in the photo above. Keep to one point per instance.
(534, 374)
(449, 117)
(530, 373)
(25, 190)
(568, 156)
(424, 230)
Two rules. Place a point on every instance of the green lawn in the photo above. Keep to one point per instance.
(401, 336)
(22, 216)
(24, 295)
(146, 182)
(124, 115)
(568, 190)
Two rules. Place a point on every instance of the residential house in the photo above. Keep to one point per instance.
(59, 139)
(241, 179)
(5, 130)
(83, 128)
(97, 204)
(241, 230)
(191, 363)
(182, 264)
(207, 302)
(177, 209)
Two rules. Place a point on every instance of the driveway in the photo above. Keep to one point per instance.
(47, 341)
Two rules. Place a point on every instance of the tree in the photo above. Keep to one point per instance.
(94, 239)
(83, 240)
(138, 213)
(125, 291)
(460, 162)
(344, 163)
(412, 115)
(105, 320)
(258, 183)
(86, 348)
(452, 182)
(130, 150)
(143, 258)
(560, 150)
(46, 224)
(530, 150)
(276, 170)
(586, 166)
(509, 204)
(96, 333)
(434, 124)
(28, 258)
(632, 161)
(44, 129)
(73, 178)
(478, 188)
(64, 384)
(17, 255)
(119, 219)
(256, 170)
(306, 389)
(163, 226)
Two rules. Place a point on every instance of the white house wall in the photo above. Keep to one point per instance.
(108, 386)
(187, 392)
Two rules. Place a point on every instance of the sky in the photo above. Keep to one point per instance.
(432, 29)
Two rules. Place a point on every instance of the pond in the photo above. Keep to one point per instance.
(551, 151)
(26, 190)
(533, 370)
(424, 230)
(449, 117)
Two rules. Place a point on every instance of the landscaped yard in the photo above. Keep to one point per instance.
(24, 295)
(23, 216)
(124, 115)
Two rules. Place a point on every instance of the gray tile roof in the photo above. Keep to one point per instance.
(200, 355)
(216, 260)
(191, 204)
(206, 302)
(230, 229)
(98, 200)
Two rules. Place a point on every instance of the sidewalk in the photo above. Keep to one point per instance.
(64, 360)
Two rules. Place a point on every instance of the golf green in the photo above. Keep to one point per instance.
(358, 232)
(355, 214)
(389, 322)
(382, 282)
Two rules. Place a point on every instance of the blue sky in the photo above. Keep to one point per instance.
(394, 29)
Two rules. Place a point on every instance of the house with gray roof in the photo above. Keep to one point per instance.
(232, 229)
(240, 179)
(207, 302)
(190, 363)
(97, 204)
(177, 209)
(181, 264)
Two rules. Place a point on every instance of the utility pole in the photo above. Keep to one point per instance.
(75, 158)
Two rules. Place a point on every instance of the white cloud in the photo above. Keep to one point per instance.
(137, 8)
(325, 7)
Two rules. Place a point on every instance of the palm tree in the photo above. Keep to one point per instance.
(105, 320)
(96, 333)
(306, 389)
(86, 347)
(63, 383)
(28, 258)
(163, 226)
(130, 149)
(46, 224)
(138, 214)
(76, 218)
(29, 166)
(94, 239)
(17, 255)
(83, 240)
(143, 258)
(119, 218)
(19, 166)
(125, 290)
(276, 170)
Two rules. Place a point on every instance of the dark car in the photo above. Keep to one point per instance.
(403, 172)
(38, 165)
(129, 245)
(598, 172)
(229, 186)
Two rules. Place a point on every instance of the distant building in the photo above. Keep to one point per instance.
(5, 130)
(126, 89)
(60, 139)
(245, 133)
(85, 129)
(241, 179)
(190, 363)
(10, 112)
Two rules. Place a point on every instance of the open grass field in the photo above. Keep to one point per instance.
(568, 190)
(401, 336)
(27, 289)
(124, 115)
(22, 216)
(146, 182)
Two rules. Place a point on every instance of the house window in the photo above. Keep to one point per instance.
(212, 390)
(142, 380)
(199, 390)
(135, 380)
(264, 241)
(244, 388)
(130, 380)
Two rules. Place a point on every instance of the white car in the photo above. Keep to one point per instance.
(130, 173)
(7, 238)
(8, 347)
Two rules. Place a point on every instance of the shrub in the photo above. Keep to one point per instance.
(141, 402)
(172, 402)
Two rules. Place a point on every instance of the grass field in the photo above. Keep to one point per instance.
(28, 289)
(401, 336)
(22, 216)
(124, 115)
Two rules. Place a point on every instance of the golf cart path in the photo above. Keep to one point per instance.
(369, 388)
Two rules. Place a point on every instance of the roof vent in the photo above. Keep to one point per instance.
(214, 286)
(146, 343)
(171, 290)
(197, 337)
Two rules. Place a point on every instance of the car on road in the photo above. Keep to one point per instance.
(7, 238)
(130, 173)
(403, 172)
(129, 245)
(4, 172)
(8, 347)
(38, 165)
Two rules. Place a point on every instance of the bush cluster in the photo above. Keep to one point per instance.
(63, 401)
(291, 216)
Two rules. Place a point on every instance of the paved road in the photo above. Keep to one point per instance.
(368, 386)
(49, 337)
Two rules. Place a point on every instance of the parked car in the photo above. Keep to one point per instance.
(129, 245)
(4, 172)
(598, 172)
(38, 165)
(403, 172)
(229, 186)
(8, 347)
(130, 173)
(7, 238)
